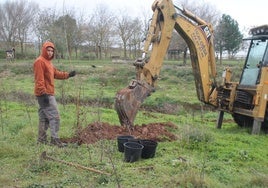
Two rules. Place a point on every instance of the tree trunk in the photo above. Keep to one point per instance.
(99, 51)
(184, 56)
(21, 48)
(125, 50)
(76, 53)
(220, 57)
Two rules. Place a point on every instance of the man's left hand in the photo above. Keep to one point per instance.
(72, 74)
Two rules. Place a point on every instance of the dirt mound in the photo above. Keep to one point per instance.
(104, 131)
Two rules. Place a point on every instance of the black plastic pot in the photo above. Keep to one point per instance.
(132, 151)
(134, 140)
(121, 140)
(149, 148)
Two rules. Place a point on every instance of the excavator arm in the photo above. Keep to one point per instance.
(199, 37)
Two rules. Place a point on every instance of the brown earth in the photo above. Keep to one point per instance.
(104, 131)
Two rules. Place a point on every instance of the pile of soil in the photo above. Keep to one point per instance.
(104, 131)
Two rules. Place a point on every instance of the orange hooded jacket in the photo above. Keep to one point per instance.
(45, 73)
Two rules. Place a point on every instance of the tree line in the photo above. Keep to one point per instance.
(101, 33)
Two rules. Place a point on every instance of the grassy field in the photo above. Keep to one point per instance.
(202, 156)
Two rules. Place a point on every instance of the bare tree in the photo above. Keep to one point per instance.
(79, 34)
(8, 23)
(44, 24)
(203, 10)
(65, 28)
(26, 12)
(16, 18)
(177, 46)
(137, 37)
(62, 30)
(125, 28)
(101, 30)
(145, 21)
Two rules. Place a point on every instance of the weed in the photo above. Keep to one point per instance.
(36, 185)
(194, 138)
(258, 181)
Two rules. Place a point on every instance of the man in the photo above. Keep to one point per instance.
(44, 90)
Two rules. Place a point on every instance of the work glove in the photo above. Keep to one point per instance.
(72, 74)
(45, 99)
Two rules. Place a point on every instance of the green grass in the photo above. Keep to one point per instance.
(202, 156)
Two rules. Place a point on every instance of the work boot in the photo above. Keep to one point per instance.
(57, 142)
(42, 141)
(42, 136)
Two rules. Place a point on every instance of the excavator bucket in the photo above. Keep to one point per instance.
(129, 100)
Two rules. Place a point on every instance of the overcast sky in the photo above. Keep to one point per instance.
(248, 13)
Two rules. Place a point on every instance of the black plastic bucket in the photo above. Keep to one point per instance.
(121, 140)
(132, 151)
(134, 140)
(149, 148)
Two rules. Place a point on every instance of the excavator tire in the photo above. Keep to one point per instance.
(245, 121)
(265, 122)
(242, 120)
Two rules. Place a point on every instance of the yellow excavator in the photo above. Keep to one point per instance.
(246, 100)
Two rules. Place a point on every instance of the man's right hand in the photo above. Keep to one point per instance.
(45, 99)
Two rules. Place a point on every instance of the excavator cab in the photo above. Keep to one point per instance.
(257, 58)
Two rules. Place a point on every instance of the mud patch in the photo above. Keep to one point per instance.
(104, 131)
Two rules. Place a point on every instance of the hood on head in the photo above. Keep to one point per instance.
(44, 51)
